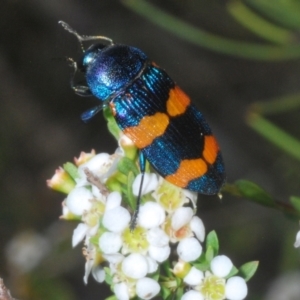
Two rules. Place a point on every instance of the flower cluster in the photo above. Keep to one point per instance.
(101, 195)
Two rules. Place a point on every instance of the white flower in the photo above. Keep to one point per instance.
(147, 288)
(221, 265)
(135, 266)
(79, 200)
(151, 214)
(236, 288)
(149, 184)
(189, 249)
(297, 242)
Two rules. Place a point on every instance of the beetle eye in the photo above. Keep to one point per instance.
(89, 55)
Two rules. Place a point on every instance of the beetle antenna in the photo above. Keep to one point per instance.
(133, 221)
(84, 38)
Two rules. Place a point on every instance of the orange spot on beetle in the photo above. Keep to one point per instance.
(211, 149)
(149, 128)
(178, 102)
(188, 170)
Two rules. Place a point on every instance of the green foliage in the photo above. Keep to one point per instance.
(71, 169)
(248, 270)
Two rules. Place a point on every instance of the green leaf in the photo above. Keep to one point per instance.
(126, 165)
(111, 123)
(130, 197)
(108, 276)
(112, 297)
(213, 242)
(232, 272)
(295, 202)
(254, 192)
(165, 292)
(71, 169)
(201, 263)
(209, 254)
(248, 269)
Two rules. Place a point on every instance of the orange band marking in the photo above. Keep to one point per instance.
(149, 128)
(178, 102)
(188, 170)
(211, 149)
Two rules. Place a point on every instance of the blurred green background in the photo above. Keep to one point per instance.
(236, 59)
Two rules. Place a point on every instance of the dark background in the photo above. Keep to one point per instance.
(41, 129)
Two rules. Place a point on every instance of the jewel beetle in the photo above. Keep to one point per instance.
(151, 109)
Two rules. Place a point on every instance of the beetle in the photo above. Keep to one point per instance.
(153, 111)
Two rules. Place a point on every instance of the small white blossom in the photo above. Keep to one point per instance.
(221, 265)
(135, 266)
(189, 249)
(149, 184)
(79, 200)
(147, 288)
(236, 288)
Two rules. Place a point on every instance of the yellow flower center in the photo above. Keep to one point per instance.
(136, 240)
(213, 288)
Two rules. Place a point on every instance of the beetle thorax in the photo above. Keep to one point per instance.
(112, 68)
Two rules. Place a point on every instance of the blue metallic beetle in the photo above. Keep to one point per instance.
(153, 112)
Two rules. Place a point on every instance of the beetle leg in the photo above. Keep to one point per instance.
(142, 160)
(81, 90)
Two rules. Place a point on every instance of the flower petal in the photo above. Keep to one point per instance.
(198, 228)
(189, 249)
(192, 295)
(157, 237)
(135, 266)
(181, 217)
(79, 233)
(147, 288)
(221, 265)
(194, 277)
(151, 215)
(160, 254)
(150, 183)
(116, 219)
(110, 242)
(236, 288)
(78, 201)
(121, 291)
